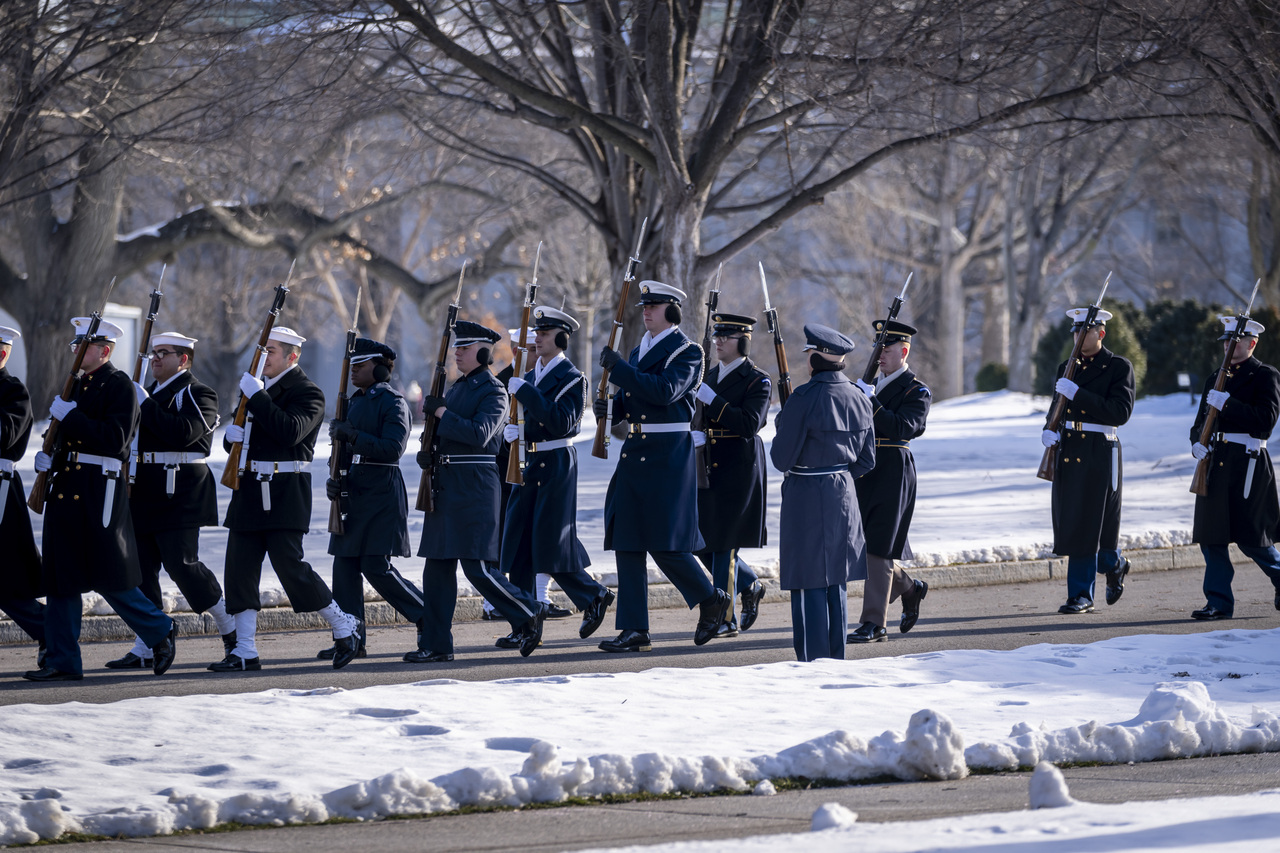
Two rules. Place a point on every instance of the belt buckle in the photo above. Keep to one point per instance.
(634, 429)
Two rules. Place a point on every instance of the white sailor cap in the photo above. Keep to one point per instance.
(553, 318)
(1252, 328)
(1078, 316)
(107, 331)
(8, 335)
(514, 334)
(173, 339)
(655, 292)
(285, 335)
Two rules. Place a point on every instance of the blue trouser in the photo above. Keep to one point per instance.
(348, 587)
(681, 569)
(1218, 572)
(62, 625)
(440, 594)
(27, 614)
(718, 563)
(1082, 571)
(818, 619)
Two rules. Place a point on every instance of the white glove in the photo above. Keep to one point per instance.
(250, 385)
(142, 392)
(43, 461)
(1049, 438)
(867, 388)
(510, 433)
(705, 394)
(1217, 399)
(699, 437)
(1066, 388)
(235, 434)
(515, 383)
(1199, 451)
(60, 408)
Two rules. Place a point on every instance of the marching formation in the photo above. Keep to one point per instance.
(123, 481)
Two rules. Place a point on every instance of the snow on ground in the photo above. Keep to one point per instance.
(153, 765)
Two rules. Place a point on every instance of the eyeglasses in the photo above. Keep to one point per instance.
(161, 353)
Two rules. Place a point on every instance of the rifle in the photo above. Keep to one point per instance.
(515, 461)
(231, 474)
(338, 451)
(600, 448)
(426, 499)
(144, 344)
(1200, 480)
(779, 348)
(702, 464)
(1049, 462)
(41, 484)
(873, 365)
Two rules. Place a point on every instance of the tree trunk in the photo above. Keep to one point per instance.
(949, 380)
(995, 325)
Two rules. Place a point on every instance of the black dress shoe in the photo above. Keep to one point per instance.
(129, 661)
(327, 654)
(911, 605)
(512, 640)
(594, 615)
(425, 656)
(229, 642)
(234, 663)
(628, 641)
(1115, 582)
(489, 615)
(1209, 613)
(868, 632)
(47, 673)
(532, 637)
(1079, 604)
(43, 651)
(165, 652)
(711, 615)
(727, 629)
(751, 598)
(346, 649)
(555, 611)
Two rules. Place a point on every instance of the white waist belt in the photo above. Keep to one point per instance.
(556, 444)
(1081, 426)
(635, 428)
(171, 458)
(1253, 445)
(6, 466)
(111, 467)
(270, 468)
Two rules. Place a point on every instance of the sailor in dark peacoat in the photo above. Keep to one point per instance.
(20, 585)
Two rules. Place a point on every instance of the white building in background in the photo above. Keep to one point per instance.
(127, 317)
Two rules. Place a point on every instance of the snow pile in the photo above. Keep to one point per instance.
(1048, 789)
(832, 816)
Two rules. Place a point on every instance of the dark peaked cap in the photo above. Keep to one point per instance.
(731, 324)
(826, 340)
(466, 333)
(898, 331)
(367, 348)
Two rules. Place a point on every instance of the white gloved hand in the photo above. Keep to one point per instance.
(235, 434)
(1066, 388)
(867, 387)
(1199, 451)
(705, 394)
(510, 433)
(1049, 438)
(515, 383)
(1217, 399)
(60, 408)
(142, 392)
(699, 437)
(43, 461)
(250, 385)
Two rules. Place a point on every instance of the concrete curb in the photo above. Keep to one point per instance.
(661, 595)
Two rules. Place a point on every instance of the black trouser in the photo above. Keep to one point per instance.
(27, 614)
(307, 591)
(348, 587)
(178, 551)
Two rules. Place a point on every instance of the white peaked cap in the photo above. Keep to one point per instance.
(652, 292)
(106, 329)
(1252, 328)
(285, 335)
(8, 335)
(173, 339)
(1079, 315)
(514, 334)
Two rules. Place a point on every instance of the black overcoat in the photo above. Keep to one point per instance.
(286, 419)
(177, 418)
(1226, 515)
(887, 493)
(1086, 508)
(652, 501)
(731, 509)
(378, 514)
(20, 577)
(82, 554)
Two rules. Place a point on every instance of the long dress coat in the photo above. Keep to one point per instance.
(887, 493)
(20, 577)
(652, 501)
(464, 525)
(1086, 509)
(80, 552)
(826, 422)
(731, 509)
(378, 514)
(542, 514)
(179, 417)
(286, 420)
(1226, 515)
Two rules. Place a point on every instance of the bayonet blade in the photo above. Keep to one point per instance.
(764, 285)
(355, 318)
(903, 295)
(1252, 297)
(719, 270)
(457, 296)
(1105, 284)
(537, 259)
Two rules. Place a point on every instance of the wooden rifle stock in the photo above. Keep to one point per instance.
(338, 451)
(600, 447)
(780, 350)
(144, 346)
(1049, 461)
(1200, 480)
(426, 485)
(40, 485)
(702, 463)
(231, 473)
(515, 459)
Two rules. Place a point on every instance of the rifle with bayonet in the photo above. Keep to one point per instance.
(600, 448)
(41, 484)
(779, 348)
(339, 506)
(702, 463)
(873, 365)
(1200, 480)
(426, 484)
(1049, 462)
(231, 474)
(516, 459)
(139, 365)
